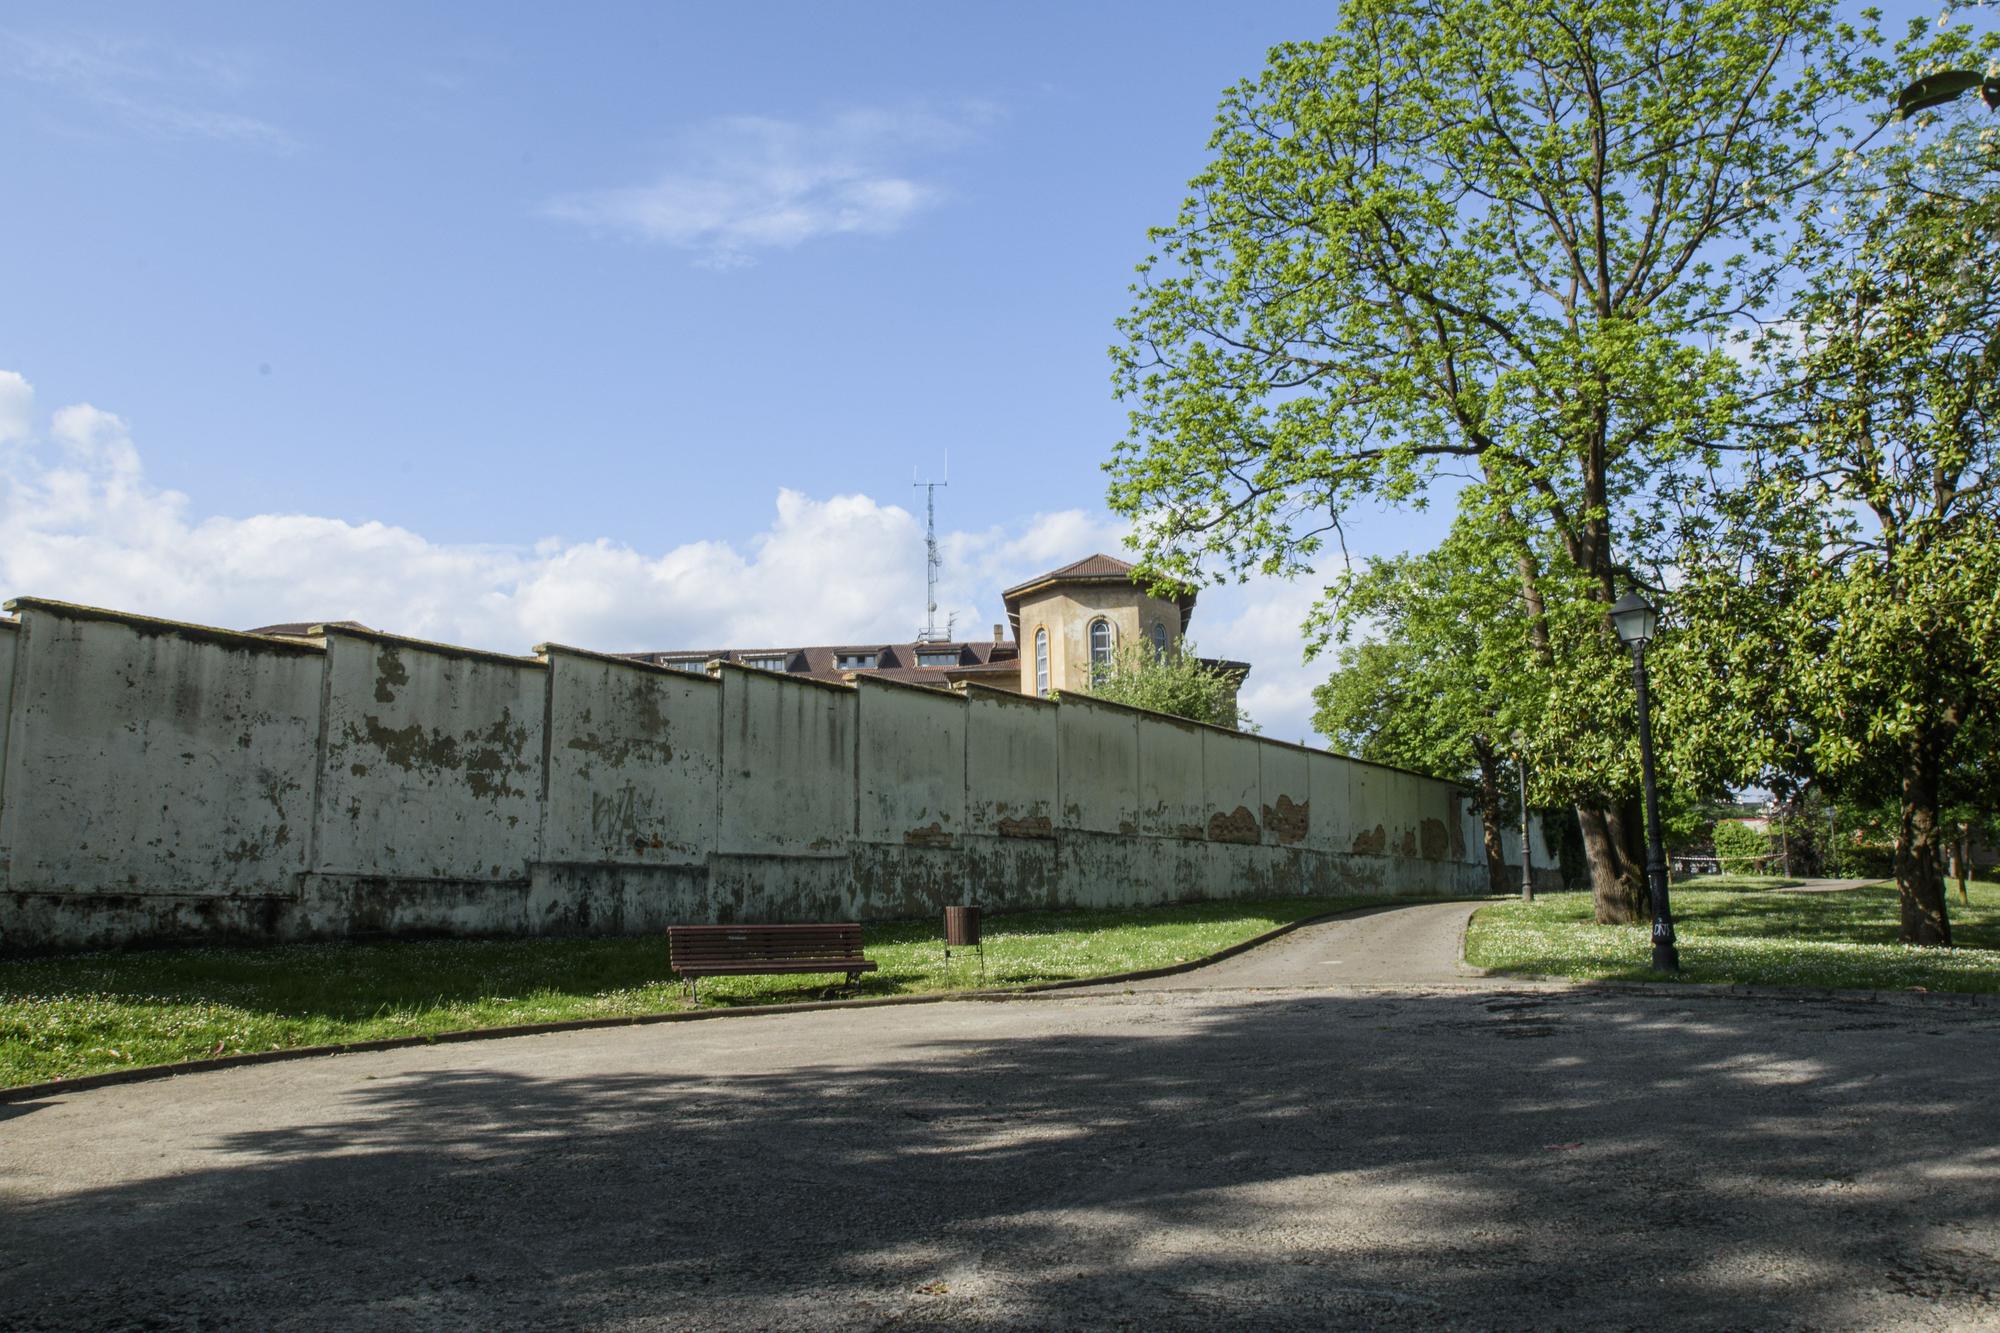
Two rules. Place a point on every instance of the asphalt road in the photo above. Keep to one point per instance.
(1334, 1156)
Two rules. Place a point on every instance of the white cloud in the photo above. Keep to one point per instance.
(1259, 622)
(17, 406)
(79, 521)
(162, 92)
(746, 183)
(95, 439)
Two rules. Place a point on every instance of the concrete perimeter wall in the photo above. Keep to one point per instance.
(161, 781)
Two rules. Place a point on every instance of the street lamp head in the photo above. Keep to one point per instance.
(1944, 86)
(1636, 619)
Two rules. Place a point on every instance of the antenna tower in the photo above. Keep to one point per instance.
(932, 561)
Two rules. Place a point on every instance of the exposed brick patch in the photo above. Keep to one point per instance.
(933, 835)
(1288, 820)
(1239, 825)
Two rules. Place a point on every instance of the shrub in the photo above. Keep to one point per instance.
(1175, 682)
(1740, 848)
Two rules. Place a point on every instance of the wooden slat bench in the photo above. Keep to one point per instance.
(694, 952)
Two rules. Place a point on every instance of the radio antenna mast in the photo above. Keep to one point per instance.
(932, 561)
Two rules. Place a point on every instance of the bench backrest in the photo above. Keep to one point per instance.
(735, 944)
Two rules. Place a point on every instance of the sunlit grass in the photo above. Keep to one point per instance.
(62, 1017)
(1844, 940)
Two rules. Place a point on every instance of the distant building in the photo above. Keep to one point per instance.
(938, 663)
(1065, 625)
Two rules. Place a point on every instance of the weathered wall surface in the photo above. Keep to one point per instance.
(628, 822)
(10, 634)
(910, 795)
(1097, 747)
(432, 762)
(146, 759)
(162, 781)
(1013, 791)
(634, 754)
(786, 811)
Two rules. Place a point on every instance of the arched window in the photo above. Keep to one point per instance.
(1100, 647)
(1042, 663)
(1159, 641)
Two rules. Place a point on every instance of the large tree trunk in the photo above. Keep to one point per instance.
(1617, 882)
(1920, 852)
(1627, 823)
(1490, 816)
(1961, 863)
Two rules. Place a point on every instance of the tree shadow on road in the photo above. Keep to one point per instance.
(1494, 1159)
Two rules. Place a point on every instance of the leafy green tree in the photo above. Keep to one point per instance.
(1175, 682)
(1438, 690)
(1488, 245)
(1868, 512)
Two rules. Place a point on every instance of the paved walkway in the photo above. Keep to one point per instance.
(1417, 944)
(1827, 886)
(1332, 1157)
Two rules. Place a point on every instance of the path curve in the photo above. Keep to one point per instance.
(1827, 886)
(1401, 944)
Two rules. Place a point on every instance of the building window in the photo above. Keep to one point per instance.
(772, 662)
(1100, 648)
(856, 661)
(1042, 663)
(694, 664)
(937, 659)
(1159, 641)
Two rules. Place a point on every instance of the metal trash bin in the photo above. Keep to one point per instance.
(961, 927)
(961, 931)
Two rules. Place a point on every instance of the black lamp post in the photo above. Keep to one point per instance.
(1637, 621)
(1946, 86)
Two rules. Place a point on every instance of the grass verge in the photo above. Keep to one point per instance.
(1843, 940)
(85, 1013)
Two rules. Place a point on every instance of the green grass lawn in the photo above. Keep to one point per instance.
(1845, 940)
(62, 1017)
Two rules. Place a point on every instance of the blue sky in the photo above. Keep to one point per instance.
(365, 200)
(622, 325)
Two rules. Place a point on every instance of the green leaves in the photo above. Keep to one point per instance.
(1463, 229)
(1450, 674)
(1492, 246)
(1500, 252)
(1853, 561)
(1176, 682)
